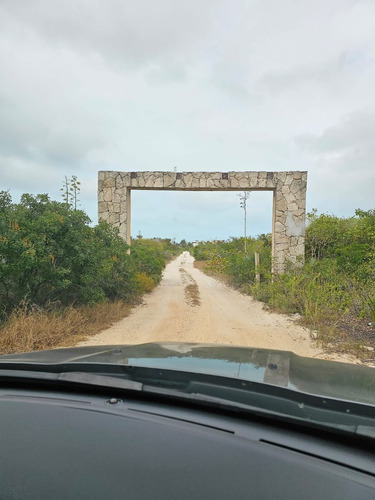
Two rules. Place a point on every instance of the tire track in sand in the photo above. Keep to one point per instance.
(189, 306)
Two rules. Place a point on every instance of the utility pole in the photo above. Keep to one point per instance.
(243, 202)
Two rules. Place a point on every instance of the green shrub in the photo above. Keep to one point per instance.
(337, 278)
(143, 283)
(228, 257)
(49, 254)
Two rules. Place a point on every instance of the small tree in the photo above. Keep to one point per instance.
(65, 190)
(243, 202)
(75, 188)
(70, 191)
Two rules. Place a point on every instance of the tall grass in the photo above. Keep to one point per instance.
(29, 330)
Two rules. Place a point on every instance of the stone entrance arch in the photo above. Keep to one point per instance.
(289, 200)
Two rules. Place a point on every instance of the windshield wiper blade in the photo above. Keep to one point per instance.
(100, 380)
(84, 378)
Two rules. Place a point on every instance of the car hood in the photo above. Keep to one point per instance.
(282, 368)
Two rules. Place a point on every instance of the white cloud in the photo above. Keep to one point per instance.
(342, 160)
(217, 85)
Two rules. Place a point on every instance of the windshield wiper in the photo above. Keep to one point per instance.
(100, 380)
(85, 378)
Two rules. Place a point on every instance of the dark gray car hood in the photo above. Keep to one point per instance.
(282, 368)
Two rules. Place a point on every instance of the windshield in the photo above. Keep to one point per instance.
(192, 183)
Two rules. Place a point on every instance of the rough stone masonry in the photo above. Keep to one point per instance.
(289, 201)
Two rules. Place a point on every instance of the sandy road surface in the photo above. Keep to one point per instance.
(189, 306)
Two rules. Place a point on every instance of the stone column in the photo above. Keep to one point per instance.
(114, 202)
(289, 219)
(125, 225)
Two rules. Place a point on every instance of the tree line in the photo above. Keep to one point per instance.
(50, 256)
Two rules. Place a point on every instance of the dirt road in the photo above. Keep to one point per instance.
(189, 306)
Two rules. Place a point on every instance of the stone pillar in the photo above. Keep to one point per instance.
(289, 219)
(114, 202)
(125, 227)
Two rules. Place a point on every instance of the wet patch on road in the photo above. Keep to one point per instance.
(191, 289)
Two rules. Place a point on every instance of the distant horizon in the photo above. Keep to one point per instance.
(175, 219)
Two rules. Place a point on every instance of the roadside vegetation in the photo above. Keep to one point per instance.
(60, 277)
(333, 292)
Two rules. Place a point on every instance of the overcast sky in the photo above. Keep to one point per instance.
(215, 85)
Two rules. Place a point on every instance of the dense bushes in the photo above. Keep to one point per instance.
(228, 257)
(349, 255)
(50, 255)
(148, 256)
(350, 242)
(336, 281)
